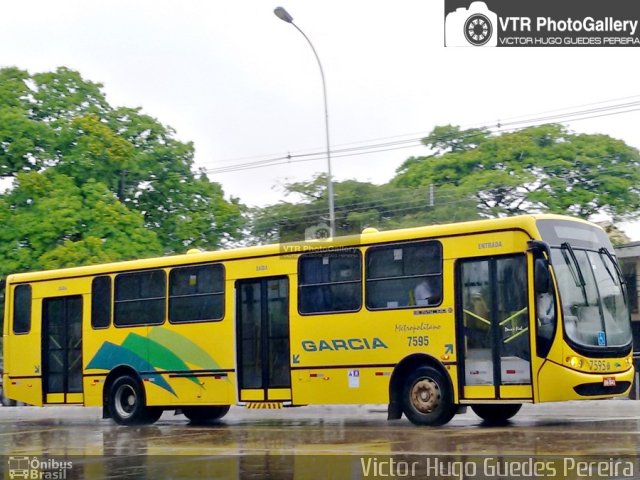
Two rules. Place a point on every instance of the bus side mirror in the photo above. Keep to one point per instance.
(542, 277)
(539, 247)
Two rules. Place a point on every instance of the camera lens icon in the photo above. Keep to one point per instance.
(318, 232)
(478, 29)
(474, 26)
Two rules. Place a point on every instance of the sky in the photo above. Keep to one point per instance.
(245, 87)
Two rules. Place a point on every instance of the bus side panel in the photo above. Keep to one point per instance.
(216, 340)
(92, 387)
(23, 367)
(194, 390)
(196, 361)
(179, 364)
(341, 385)
(100, 353)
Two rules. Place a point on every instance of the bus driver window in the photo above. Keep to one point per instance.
(545, 306)
(545, 303)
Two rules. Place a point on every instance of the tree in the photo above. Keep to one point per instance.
(57, 120)
(537, 169)
(91, 183)
(357, 205)
(50, 222)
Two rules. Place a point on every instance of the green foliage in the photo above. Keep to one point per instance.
(54, 223)
(451, 138)
(57, 121)
(471, 174)
(357, 205)
(92, 183)
(538, 169)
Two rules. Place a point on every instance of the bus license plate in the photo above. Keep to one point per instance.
(609, 382)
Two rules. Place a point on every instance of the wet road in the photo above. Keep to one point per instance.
(327, 442)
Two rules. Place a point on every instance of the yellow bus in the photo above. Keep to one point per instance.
(489, 314)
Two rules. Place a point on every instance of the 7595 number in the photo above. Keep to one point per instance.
(419, 341)
(599, 365)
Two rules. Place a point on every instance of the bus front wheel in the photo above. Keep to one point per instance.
(496, 413)
(127, 403)
(205, 414)
(427, 398)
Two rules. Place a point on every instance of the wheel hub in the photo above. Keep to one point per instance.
(125, 401)
(425, 395)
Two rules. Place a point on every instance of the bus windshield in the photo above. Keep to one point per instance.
(595, 312)
(594, 308)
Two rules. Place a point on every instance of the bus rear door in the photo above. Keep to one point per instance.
(262, 333)
(62, 349)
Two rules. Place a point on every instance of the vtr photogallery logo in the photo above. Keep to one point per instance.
(475, 26)
(541, 23)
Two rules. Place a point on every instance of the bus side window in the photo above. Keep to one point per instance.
(330, 282)
(404, 275)
(545, 307)
(196, 294)
(101, 302)
(22, 309)
(139, 298)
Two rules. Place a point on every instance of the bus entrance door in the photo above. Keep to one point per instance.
(264, 373)
(494, 320)
(62, 349)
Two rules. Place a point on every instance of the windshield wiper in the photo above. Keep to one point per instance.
(614, 263)
(606, 252)
(623, 282)
(575, 271)
(578, 271)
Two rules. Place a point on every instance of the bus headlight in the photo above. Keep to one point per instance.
(575, 362)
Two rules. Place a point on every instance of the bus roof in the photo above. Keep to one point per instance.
(523, 222)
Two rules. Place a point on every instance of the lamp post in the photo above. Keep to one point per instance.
(283, 15)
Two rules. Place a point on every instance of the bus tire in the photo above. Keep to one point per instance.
(427, 398)
(205, 414)
(127, 404)
(496, 413)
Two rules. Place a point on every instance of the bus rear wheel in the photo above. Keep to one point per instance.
(427, 398)
(205, 414)
(127, 403)
(496, 413)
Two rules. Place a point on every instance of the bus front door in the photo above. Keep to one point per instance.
(62, 349)
(493, 326)
(264, 372)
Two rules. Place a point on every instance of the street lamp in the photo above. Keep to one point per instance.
(283, 15)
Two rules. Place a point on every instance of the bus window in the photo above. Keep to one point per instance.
(22, 309)
(330, 282)
(404, 275)
(476, 297)
(584, 284)
(545, 307)
(613, 304)
(140, 298)
(101, 302)
(196, 294)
